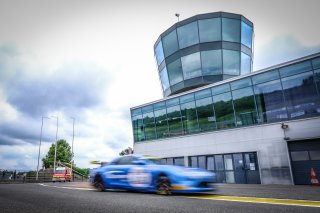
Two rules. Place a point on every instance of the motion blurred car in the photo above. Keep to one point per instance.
(144, 173)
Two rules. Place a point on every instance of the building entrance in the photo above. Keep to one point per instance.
(304, 154)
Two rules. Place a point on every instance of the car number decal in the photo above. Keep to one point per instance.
(139, 177)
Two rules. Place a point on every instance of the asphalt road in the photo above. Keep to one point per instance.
(78, 197)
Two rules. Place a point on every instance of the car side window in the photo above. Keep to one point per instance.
(127, 160)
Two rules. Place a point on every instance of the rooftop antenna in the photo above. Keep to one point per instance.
(177, 14)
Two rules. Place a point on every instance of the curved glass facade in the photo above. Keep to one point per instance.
(284, 93)
(204, 49)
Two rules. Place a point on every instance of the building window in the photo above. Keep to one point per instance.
(159, 53)
(224, 110)
(149, 127)
(206, 116)
(138, 128)
(210, 30)
(191, 65)
(164, 79)
(174, 120)
(161, 123)
(299, 156)
(211, 62)
(170, 43)
(246, 34)
(188, 35)
(189, 117)
(231, 30)
(175, 72)
(314, 155)
(245, 64)
(231, 62)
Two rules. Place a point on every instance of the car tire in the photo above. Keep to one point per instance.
(99, 184)
(163, 185)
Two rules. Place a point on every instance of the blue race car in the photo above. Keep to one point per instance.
(143, 173)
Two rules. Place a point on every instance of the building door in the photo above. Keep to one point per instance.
(304, 155)
(251, 168)
(239, 170)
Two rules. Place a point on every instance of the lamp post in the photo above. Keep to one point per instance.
(40, 146)
(55, 150)
(178, 15)
(72, 146)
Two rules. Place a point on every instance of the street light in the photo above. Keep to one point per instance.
(72, 147)
(177, 14)
(40, 146)
(55, 150)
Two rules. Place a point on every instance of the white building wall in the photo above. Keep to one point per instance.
(267, 140)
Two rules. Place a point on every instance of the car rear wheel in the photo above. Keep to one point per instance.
(98, 183)
(163, 186)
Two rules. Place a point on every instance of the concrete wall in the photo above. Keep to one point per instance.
(267, 140)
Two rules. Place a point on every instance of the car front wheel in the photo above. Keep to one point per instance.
(98, 183)
(163, 185)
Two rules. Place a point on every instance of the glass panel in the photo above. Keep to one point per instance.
(202, 162)
(230, 177)
(172, 102)
(301, 97)
(231, 62)
(228, 164)
(238, 162)
(203, 94)
(210, 163)
(161, 123)
(170, 43)
(206, 117)
(149, 126)
(210, 30)
(188, 35)
(231, 30)
(245, 64)
(179, 161)
(295, 69)
(246, 34)
(147, 108)
(220, 89)
(244, 107)
(315, 155)
(245, 82)
(251, 162)
(174, 121)
(169, 161)
(163, 161)
(264, 77)
(191, 65)
(224, 110)
(135, 112)
(159, 53)
(299, 156)
(211, 62)
(194, 162)
(186, 98)
(317, 79)
(137, 124)
(189, 117)
(316, 63)
(164, 79)
(159, 105)
(219, 162)
(270, 102)
(175, 72)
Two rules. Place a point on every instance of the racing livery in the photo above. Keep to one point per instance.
(142, 173)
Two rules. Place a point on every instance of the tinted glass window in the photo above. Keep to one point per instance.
(170, 43)
(231, 62)
(316, 63)
(264, 77)
(244, 106)
(161, 123)
(210, 163)
(315, 155)
(169, 161)
(137, 124)
(224, 110)
(210, 30)
(202, 162)
(172, 102)
(245, 64)
(270, 102)
(206, 117)
(203, 94)
(220, 89)
(295, 69)
(301, 97)
(175, 72)
(246, 34)
(228, 163)
(194, 162)
(245, 82)
(187, 98)
(174, 120)
(188, 35)
(179, 161)
(211, 62)
(159, 105)
(149, 126)
(231, 30)
(135, 112)
(159, 53)
(189, 117)
(219, 162)
(317, 79)
(191, 65)
(164, 79)
(299, 156)
(126, 160)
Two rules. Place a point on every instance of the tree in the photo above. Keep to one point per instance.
(64, 154)
(126, 151)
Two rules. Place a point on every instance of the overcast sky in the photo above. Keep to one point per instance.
(93, 60)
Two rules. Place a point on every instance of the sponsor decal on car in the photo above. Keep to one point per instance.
(139, 177)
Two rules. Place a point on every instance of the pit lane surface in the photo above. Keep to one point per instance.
(80, 197)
